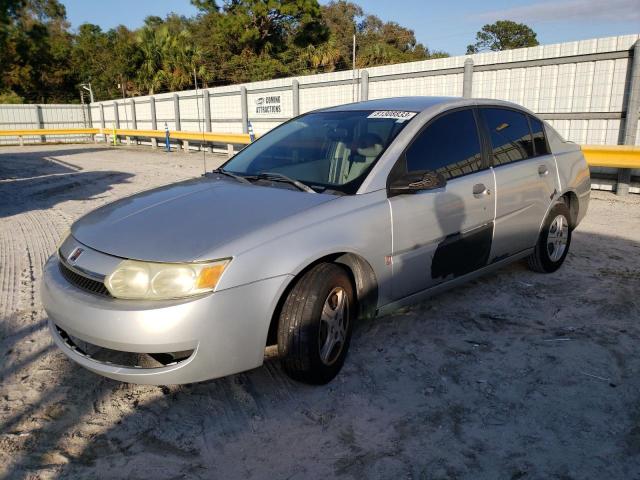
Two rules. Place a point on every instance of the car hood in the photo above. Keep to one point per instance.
(179, 222)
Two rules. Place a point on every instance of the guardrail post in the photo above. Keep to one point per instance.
(102, 124)
(631, 120)
(245, 110)
(90, 117)
(207, 115)
(134, 120)
(364, 85)
(40, 121)
(230, 151)
(467, 78)
(207, 110)
(154, 120)
(295, 98)
(176, 114)
(116, 118)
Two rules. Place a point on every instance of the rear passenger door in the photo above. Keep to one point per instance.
(443, 233)
(526, 177)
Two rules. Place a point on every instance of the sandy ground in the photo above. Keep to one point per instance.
(514, 376)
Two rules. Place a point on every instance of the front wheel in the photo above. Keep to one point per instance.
(315, 324)
(554, 241)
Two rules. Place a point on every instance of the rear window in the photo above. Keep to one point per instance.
(510, 135)
(540, 145)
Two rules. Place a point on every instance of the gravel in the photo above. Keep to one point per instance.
(515, 375)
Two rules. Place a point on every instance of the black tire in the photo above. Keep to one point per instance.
(541, 260)
(300, 329)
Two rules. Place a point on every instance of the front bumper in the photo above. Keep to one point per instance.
(226, 330)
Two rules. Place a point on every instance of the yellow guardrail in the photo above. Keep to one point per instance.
(232, 138)
(615, 156)
(49, 131)
(236, 138)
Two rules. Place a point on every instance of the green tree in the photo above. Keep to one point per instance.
(323, 56)
(92, 60)
(268, 26)
(205, 6)
(377, 42)
(152, 45)
(125, 61)
(35, 50)
(503, 35)
(227, 41)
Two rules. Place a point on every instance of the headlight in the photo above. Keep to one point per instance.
(157, 281)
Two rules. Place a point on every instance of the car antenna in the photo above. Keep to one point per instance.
(200, 128)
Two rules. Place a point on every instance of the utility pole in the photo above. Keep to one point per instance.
(84, 115)
(87, 87)
(124, 97)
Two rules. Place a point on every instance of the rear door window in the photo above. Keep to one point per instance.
(450, 146)
(510, 135)
(540, 145)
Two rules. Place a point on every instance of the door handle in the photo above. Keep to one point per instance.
(543, 170)
(479, 189)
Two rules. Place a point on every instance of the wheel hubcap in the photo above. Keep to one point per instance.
(557, 238)
(334, 324)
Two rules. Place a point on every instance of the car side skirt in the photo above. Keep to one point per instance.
(454, 282)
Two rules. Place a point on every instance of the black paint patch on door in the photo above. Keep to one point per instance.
(462, 253)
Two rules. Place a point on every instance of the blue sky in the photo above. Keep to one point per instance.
(448, 26)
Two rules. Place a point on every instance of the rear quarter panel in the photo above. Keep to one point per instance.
(573, 171)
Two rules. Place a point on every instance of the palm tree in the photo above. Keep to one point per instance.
(153, 44)
(325, 55)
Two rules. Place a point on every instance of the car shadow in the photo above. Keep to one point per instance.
(44, 192)
(40, 161)
(489, 379)
(41, 178)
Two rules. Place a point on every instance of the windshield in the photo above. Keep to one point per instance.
(324, 150)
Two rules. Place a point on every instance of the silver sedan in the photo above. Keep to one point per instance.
(338, 214)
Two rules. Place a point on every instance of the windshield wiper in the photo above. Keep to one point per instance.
(239, 178)
(279, 177)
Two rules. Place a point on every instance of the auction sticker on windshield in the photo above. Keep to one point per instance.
(395, 114)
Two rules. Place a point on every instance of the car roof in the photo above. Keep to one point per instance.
(420, 104)
(410, 104)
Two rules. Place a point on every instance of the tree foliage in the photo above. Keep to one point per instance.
(503, 35)
(228, 41)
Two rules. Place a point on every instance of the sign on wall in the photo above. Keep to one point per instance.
(268, 105)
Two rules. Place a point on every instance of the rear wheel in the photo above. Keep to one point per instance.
(554, 241)
(315, 324)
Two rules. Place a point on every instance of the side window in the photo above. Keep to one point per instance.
(539, 139)
(449, 146)
(510, 135)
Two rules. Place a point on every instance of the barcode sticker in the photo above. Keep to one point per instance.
(399, 115)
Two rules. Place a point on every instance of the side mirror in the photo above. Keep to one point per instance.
(416, 182)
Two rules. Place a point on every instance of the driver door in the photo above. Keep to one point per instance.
(446, 232)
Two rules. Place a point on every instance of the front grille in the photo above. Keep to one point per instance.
(121, 358)
(84, 283)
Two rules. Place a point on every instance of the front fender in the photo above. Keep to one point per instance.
(360, 224)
